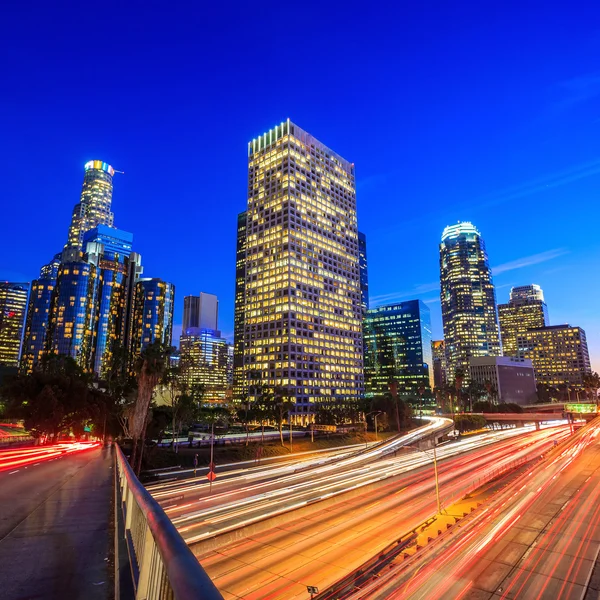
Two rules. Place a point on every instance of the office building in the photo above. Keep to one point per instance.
(191, 312)
(559, 354)
(200, 311)
(505, 378)
(302, 299)
(364, 272)
(203, 362)
(438, 351)
(93, 208)
(71, 324)
(238, 317)
(526, 309)
(13, 307)
(109, 250)
(38, 314)
(468, 298)
(152, 315)
(398, 348)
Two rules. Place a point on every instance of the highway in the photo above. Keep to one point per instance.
(318, 549)
(538, 539)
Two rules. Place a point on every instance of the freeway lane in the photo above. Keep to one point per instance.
(538, 539)
(320, 549)
(55, 533)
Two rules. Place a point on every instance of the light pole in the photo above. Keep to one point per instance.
(376, 413)
(435, 471)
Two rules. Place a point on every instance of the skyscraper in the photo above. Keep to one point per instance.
(109, 250)
(13, 306)
(398, 347)
(525, 310)
(302, 298)
(38, 314)
(468, 298)
(93, 207)
(438, 349)
(191, 312)
(364, 272)
(238, 317)
(152, 315)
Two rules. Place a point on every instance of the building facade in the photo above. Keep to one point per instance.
(559, 354)
(203, 361)
(152, 315)
(191, 312)
(302, 299)
(13, 308)
(438, 351)
(468, 298)
(398, 348)
(94, 205)
(526, 309)
(38, 314)
(364, 272)
(238, 387)
(509, 379)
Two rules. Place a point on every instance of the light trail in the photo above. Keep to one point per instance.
(32, 456)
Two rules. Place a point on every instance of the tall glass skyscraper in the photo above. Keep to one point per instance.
(302, 298)
(525, 310)
(38, 313)
(93, 207)
(468, 298)
(13, 306)
(398, 348)
(109, 249)
(152, 315)
(238, 317)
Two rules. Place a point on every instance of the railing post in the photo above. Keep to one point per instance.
(144, 562)
(128, 509)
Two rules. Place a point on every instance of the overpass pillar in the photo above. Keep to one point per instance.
(537, 425)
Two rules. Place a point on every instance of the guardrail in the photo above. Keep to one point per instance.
(162, 565)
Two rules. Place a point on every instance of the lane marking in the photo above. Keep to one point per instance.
(13, 472)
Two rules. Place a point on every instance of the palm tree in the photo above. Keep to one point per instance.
(591, 383)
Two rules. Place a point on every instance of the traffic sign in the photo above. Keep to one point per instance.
(211, 466)
(311, 589)
(211, 476)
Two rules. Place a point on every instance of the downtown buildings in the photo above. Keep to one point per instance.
(298, 322)
(13, 306)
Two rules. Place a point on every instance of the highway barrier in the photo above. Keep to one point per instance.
(162, 565)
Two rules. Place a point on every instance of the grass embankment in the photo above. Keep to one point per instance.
(160, 457)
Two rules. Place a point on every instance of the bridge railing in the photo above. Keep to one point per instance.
(162, 565)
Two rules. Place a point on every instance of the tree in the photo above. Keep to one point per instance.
(149, 367)
(459, 376)
(283, 407)
(591, 383)
(174, 387)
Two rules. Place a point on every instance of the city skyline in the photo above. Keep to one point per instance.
(478, 156)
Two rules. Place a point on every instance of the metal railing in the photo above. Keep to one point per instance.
(163, 566)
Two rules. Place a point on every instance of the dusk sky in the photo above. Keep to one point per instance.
(488, 112)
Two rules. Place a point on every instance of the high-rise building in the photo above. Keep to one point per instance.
(191, 312)
(109, 250)
(364, 273)
(468, 298)
(93, 207)
(152, 315)
(71, 324)
(38, 313)
(398, 348)
(525, 310)
(203, 361)
(438, 350)
(13, 307)
(201, 311)
(302, 298)
(559, 354)
(509, 379)
(238, 317)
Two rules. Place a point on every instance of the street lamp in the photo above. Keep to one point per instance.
(376, 413)
(435, 470)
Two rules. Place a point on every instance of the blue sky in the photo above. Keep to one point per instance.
(482, 112)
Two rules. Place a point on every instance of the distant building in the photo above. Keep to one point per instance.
(468, 298)
(191, 312)
(13, 307)
(93, 208)
(559, 354)
(438, 350)
(38, 314)
(229, 365)
(238, 317)
(525, 310)
(152, 315)
(364, 272)
(201, 311)
(398, 347)
(509, 379)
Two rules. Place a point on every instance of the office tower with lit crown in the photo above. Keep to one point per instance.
(203, 362)
(94, 205)
(152, 315)
(109, 250)
(13, 308)
(438, 350)
(38, 313)
(525, 310)
(559, 354)
(71, 325)
(468, 298)
(238, 317)
(398, 348)
(302, 298)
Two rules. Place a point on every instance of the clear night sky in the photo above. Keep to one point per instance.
(450, 113)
